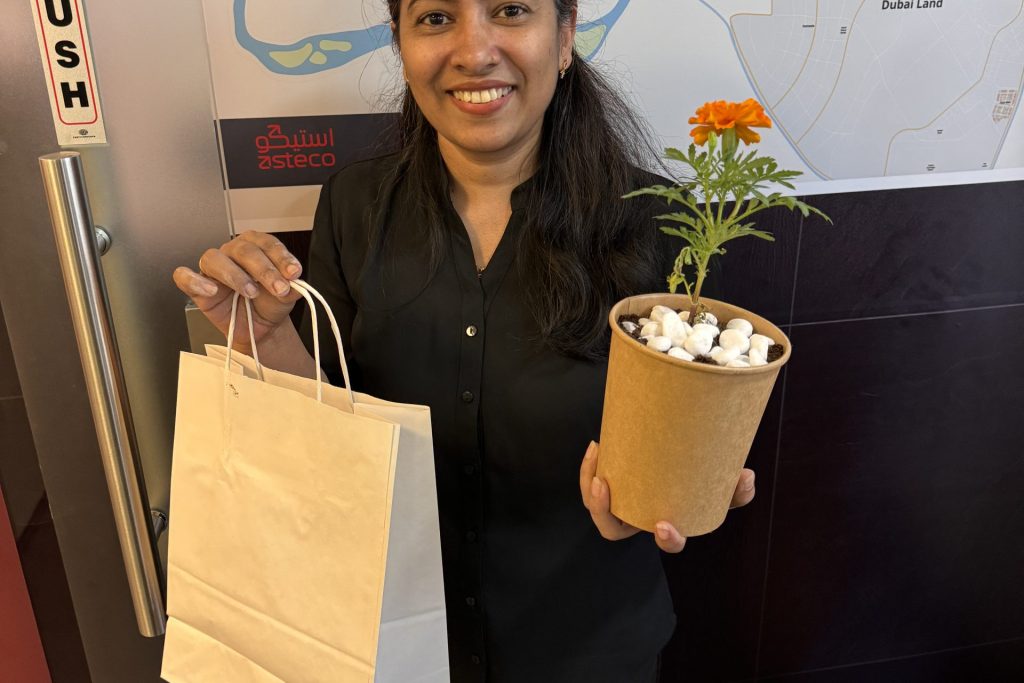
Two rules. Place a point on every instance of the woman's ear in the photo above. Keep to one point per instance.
(567, 37)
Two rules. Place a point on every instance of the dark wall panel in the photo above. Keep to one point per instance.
(911, 251)
(898, 519)
(887, 521)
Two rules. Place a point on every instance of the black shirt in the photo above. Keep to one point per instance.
(533, 592)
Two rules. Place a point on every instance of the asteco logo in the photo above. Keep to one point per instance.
(303, 149)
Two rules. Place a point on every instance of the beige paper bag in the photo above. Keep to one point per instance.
(287, 559)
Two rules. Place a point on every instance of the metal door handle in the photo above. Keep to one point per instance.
(87, 296)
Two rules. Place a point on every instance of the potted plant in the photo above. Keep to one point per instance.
(689, 377)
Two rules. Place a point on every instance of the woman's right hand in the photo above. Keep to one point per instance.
(257, 266)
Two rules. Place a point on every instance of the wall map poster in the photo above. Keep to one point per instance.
(864, 94)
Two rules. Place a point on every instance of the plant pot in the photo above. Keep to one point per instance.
(675, 433)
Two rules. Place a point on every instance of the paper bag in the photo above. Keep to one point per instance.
(304, 542)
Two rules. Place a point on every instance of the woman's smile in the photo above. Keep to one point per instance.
(481, 100)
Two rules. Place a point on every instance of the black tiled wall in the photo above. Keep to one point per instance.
(886, 542)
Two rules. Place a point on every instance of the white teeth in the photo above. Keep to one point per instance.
(481, 96)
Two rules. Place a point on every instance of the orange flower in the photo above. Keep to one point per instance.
(721, 115)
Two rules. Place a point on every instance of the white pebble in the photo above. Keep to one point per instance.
(709, 330)
(710, 318)
(651, 329)
(672, 324)
(662, 344)
(734, 339)
(658, 312)
(742, 325)
(761, 340)
(722, 356)
(737, 363)
(629, 327)
(756, 357)
(643, 321)
(676, 352)
(679, 340)
(698, 344)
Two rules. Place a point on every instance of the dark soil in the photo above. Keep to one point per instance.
(775, 351)
(631, 318)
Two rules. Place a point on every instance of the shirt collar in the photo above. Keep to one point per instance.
(520, 193)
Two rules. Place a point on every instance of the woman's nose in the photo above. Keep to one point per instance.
(476, 48)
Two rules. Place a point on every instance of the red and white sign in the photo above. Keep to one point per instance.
(67, 65)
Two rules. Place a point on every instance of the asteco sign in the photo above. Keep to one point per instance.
(67, 66)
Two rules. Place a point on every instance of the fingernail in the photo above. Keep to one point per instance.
(590, 450)
(663, 531)
(750, 484)
(251, 291)
(595, 487)
(281, 287)
(205, 289)
(293, 269)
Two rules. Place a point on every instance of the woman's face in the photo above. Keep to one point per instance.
(483, 71)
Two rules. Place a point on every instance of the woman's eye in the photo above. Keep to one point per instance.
(512, 11)
(434, 19)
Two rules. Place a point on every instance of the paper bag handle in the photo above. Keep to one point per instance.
(252, 336)
(305, 289)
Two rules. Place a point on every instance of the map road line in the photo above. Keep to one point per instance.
(757, 90)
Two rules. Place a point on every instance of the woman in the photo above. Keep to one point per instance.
(472, 272)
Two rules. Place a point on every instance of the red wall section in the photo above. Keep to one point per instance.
(21, 652)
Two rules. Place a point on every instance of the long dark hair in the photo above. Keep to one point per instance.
(582, 247)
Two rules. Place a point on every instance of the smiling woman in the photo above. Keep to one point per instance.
(559, 121)
(472, 271)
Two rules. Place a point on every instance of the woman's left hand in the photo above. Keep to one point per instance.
(596, 498)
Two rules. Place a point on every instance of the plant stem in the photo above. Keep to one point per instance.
(702, 271)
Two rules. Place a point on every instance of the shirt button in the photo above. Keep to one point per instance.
(475, 659)
(471, 331)
(467, 396)
(471, 601)
(469, 470)
(471, 536)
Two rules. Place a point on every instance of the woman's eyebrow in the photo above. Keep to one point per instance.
(411, 4)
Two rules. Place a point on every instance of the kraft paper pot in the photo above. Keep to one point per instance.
(675, 434)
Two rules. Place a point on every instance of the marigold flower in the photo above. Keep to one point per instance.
(720, 116)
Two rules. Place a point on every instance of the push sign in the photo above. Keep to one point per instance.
(67, 66)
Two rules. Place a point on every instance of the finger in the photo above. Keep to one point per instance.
(218, 266)
(588, 468)
(610, 526)
(667, 538)
(283, 260)
(194, 284)
(258, 266)
(744, 492)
